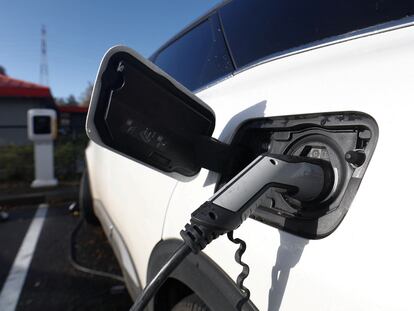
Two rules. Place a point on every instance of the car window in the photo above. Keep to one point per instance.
(256, 29)
(198, 57)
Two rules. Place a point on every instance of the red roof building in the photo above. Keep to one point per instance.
(72, 109)
(16, 98)
(10, 87)
(72, 120)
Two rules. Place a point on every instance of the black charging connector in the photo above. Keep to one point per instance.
(304, 179)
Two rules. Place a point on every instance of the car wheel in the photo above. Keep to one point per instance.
(191, 303)
(85, 200)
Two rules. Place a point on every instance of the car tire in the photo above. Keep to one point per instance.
(85, 200)
(191, 303)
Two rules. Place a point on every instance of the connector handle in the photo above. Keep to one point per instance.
(304, 179)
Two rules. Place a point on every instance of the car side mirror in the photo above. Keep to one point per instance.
(139, 111)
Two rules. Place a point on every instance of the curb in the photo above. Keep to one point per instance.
(40, 197)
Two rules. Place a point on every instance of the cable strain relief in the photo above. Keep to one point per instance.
(197, 237)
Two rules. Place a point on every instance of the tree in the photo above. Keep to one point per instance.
(86, 95)
(70, 100)
(84, 100)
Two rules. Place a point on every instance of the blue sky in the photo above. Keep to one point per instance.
(79, 32)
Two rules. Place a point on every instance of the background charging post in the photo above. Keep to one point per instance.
(42, 130)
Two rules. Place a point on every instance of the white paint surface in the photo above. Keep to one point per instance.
(367, 264)
(44, 165)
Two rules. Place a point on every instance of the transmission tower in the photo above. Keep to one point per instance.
(44, 71)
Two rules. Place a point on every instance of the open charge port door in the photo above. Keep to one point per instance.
(345, 139)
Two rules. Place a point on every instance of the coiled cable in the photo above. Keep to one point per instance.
(245, 272)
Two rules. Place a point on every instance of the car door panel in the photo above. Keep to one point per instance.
(347, 270)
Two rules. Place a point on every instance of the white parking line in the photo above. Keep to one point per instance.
(10, 292)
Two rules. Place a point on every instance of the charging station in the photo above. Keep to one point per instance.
(42, 130)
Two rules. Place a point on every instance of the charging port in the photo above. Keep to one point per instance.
(346, 140)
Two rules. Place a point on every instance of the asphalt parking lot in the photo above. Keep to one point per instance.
(48, 281)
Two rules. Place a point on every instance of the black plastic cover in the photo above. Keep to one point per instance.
(142, 113)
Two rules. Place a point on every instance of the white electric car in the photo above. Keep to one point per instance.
(326, 79)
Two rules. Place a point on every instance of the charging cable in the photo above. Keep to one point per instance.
(78, 266)
(304, 179)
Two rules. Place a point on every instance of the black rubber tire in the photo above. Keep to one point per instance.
(191, 303)
(85, 200)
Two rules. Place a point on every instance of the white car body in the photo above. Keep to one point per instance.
(367, 263)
